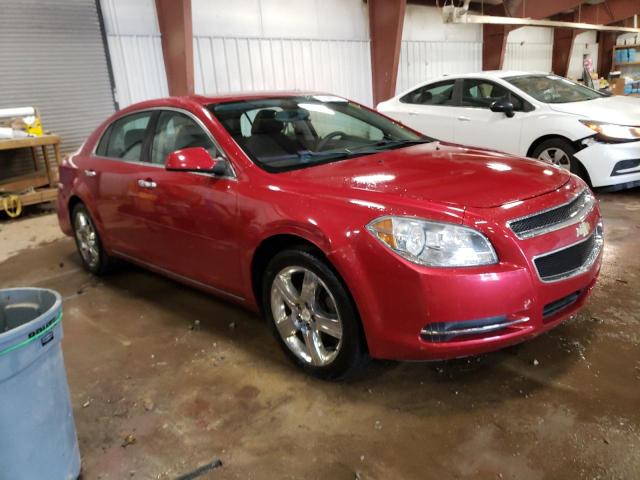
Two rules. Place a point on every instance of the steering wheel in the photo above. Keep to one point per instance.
(328, 137)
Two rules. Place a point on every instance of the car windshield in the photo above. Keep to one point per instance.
(553, 89)
(287, 133)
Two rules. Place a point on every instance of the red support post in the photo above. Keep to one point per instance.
(494, 45)
(562, 47)
(386, 18)
(176, 28)
(606, 42)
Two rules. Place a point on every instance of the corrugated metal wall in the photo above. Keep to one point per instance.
(421, 61)
(224, 64)
(52, 57)
(431, 48)
(529, 48)
(136, 52)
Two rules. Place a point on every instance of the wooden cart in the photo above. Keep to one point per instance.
(36, 187)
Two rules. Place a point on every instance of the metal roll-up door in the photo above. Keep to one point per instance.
(52, 57)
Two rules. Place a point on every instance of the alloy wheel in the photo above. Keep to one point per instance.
(306, 316)
(87, 239)
(557, 156)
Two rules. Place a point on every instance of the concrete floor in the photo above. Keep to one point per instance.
(565, 405)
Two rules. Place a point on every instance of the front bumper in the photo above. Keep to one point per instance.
(412, 312)
(611, 164)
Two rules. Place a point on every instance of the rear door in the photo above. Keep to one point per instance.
(428, 109)
(116, 166)
(476, 125)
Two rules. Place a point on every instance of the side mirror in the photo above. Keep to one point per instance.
(504, 107)
(195, 159)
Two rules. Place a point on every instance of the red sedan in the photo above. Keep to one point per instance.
(354, 235)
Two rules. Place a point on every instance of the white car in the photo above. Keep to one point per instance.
(537, 115)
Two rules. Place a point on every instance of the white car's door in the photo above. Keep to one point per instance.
(476, 125)
(426, 109)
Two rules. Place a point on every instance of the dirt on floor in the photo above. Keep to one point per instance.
(165, 379)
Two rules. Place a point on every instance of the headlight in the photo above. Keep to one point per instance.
(611, 132)
(434, 244)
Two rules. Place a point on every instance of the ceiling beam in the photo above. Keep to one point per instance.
(611, 11)
(538, 9)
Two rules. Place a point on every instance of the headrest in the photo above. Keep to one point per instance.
(133, 137)
(265, 122)
(190, 135)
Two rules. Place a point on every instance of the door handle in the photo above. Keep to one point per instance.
(464, 119)
(89, 173)
(150, 184)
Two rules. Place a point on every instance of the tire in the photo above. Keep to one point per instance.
(94, 258)
(561, 153)
(324, 317)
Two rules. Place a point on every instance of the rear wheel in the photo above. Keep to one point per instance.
(312, 315)
(560, 152)
(94, 258)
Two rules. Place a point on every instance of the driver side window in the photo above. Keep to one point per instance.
(175, 131)
(482, 93)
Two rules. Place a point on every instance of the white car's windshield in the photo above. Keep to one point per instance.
(553, 89)
(286, 133)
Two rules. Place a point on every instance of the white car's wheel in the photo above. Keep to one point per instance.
(560, 152)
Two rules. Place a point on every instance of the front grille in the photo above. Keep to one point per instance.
(560, 304)
(554, 218)
(570, 260)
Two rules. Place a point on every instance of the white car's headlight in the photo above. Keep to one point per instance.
(434, 244)
(612, 132)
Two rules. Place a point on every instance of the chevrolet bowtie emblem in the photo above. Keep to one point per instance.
(582, 230)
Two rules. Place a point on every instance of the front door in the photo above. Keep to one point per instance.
(427, 109)
(190, 218)
(477, 126)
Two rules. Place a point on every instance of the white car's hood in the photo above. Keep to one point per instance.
(616, 109)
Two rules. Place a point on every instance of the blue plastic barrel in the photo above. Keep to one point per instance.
(37, 432)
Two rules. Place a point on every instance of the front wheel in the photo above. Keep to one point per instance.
(561, 153)
(312, 315)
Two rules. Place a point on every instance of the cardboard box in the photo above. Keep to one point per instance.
(617, 86)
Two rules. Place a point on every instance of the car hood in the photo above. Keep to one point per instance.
(616, 109)
(443, 173)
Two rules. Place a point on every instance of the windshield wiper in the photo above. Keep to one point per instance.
(387, 144)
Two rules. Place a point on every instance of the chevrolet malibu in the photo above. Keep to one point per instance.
(355, 236)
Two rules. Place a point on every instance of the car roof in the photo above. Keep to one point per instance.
(495, 74)
(205, 99)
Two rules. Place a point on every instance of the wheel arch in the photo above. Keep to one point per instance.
(580, 169)
(538, 141)
(71, 204)
(276, 243)
(271, 246)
